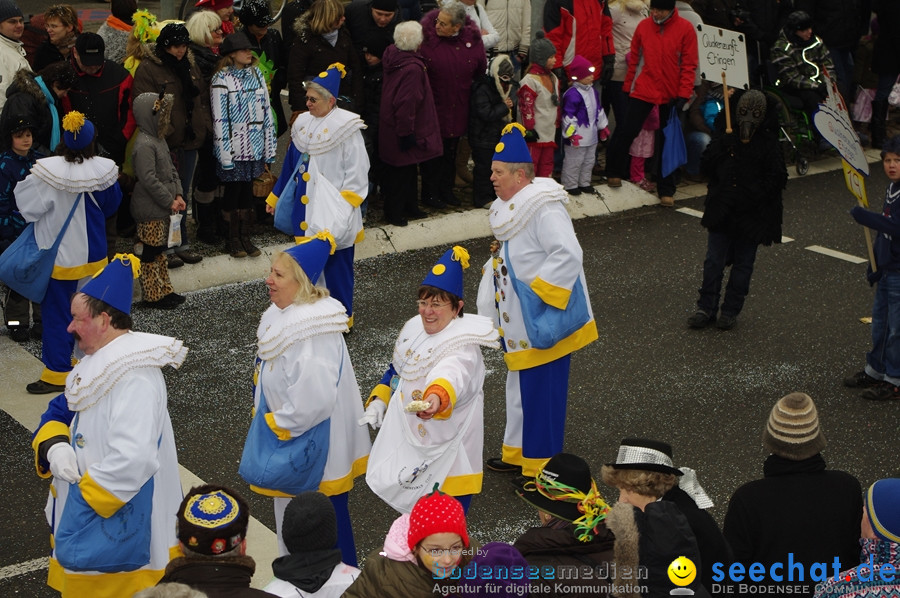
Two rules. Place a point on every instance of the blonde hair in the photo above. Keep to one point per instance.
(639, 481)
(200, 26)
(322, 15)
(65, 14)
(307, 292)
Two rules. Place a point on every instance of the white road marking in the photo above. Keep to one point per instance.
(23, 568)
(786, 239)
(837, 254)
(690, 212)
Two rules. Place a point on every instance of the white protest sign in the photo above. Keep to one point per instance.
(833, 122)
(721, 50)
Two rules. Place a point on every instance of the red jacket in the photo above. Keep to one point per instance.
(663, 60)
(588, 21)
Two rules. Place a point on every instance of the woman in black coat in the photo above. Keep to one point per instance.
(266, 41)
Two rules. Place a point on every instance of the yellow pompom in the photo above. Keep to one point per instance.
(73, 121)
(461, 255)
(438, 269)
(339, 67)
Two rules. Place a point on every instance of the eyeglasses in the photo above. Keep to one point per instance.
(422, 304)
(311, 100)
(439, 552)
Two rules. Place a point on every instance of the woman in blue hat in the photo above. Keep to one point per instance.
(430, 401)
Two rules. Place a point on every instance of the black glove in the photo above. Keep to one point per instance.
(606, 73)
(407, 142)
(531, 136)
(678, 105)
(872, 277)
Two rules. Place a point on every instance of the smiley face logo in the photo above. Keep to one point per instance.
(682, 571)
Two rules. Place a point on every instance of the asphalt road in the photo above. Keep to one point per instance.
(706, 392)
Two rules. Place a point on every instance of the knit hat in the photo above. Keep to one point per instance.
(114, 284)
(233, 43)
(255, 12)
(78, 132)
(565, 489)
(579, 68)
(798, 21)
(662, 4)
(214, 4)
(310, 523)
(497, 558)
(9, 10)
(541, 50)
(312, 253)
(447, 273)
(173, 34)
(883, 505)
(649, 455)
(436, 513)
(212, 520)
(793, 429)
(331, 77)
(512, 147)
(385, 5)
(91, 49)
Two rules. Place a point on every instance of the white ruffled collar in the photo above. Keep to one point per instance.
(317, 136)
(91, 175)
(96, 375)
(508, 218)
(416, 352)
(280, 328)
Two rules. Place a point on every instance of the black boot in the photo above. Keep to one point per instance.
(246, 222)
(878, 124)
(205, 214)
(233, 240)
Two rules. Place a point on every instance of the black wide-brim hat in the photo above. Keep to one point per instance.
(647, 455)
(563, 468)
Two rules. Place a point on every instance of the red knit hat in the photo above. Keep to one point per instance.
(436, 513)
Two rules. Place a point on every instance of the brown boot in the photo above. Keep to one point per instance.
(246, 222)
(233, 240)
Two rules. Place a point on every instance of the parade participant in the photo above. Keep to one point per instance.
(533, 288)
(109, 445)
(306, 397)
(46, 197)
(433, 431)
(421, 551)
(327, 161)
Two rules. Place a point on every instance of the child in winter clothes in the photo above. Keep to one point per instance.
(15, 164)
(583, 123)
(642, 148)
(539, 105)
(156, 195)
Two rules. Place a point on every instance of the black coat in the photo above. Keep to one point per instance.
(105, 99)
(311, 54)
(24, 99)
(886, 57)
(227, 577)
(840, 23)
(487, 111)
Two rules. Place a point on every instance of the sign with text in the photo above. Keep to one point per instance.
(856, 184)
(833, 122)
(722, 51)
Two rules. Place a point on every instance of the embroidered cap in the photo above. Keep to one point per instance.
(114, 284)
(331, 77)
(447, 273)
(512, 147)
(212, 520)
(312, 253)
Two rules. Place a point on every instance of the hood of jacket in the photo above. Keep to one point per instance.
(153, 113)
(24, 82)
(468, 33)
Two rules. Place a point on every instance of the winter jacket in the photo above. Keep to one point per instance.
(663, 61)
(453, 64)
(715, 13)
(886, 245)
(152, 76)
(407, 108)
(383, 576)
(799, 64)
(272, 46)
(559, 548)
(488, 113)
(26, 99)
(12, 58)
(105, 99)
(626, 14)
(243, 127)
(312, 54)
(881, 555)
(512, 20)
(886, 59)
(762, 22)
(13, 168)
(115, 34)
(582, 27)
(47, 54)
(206, 60)
(840, 23)
(157, 182)
(217, 577)
(784, 513)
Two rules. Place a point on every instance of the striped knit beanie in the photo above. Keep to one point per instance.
(793, 430)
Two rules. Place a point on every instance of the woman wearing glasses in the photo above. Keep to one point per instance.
(429, 404)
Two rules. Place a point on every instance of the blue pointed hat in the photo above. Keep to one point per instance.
(312, 253)
(78, 131)
(114, 284)
(512, 147)
(331, 77)
(447, 273)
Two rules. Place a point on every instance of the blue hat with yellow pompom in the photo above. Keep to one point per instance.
(331, 77)
(512, 147)
(312, 253)
(447, 273)
(114, 284)
(78, 131)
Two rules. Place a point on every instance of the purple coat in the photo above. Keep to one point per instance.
(453, 64)
(407, 107)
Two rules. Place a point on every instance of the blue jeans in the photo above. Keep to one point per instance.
(723, 249)
(883, 361)
(696, 142)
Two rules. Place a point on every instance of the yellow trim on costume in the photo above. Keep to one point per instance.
(51, 377)
(99, 498)
(270, 493)
(281, 433)
(345, 483)
(350, 322)
(529, 358)
(382, 392)
(873, 517)
(530, 467)
(551, 294)
(447, 393)
(78, 272)
(271, 200)
(106, 585)
(352, 198)
(360, 236)
(47, 431)
(461, 485)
